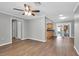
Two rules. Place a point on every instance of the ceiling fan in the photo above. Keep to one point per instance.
(27, 10)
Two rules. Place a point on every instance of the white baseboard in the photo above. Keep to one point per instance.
(76, 50)
(35, 39)
(72, 37)
(38, 40)
(24, 38)
(5, 43)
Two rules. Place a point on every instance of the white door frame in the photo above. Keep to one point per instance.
(11, 28)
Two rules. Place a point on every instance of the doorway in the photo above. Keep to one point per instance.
(16, 30)
(66, 30)
(50, 31)
(63, 30)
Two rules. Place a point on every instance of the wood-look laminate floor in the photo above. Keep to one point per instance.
(53, 47)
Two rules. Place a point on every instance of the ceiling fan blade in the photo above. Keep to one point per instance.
(25, 5)
(33, 14)
(23, 13)
(18, 9)
(35, 10)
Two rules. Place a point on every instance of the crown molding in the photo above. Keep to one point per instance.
(21, 16)
(75, 8)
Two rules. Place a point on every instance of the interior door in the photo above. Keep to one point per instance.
(19, 29)
(14, 28)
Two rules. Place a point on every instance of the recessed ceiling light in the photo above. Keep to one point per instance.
(60, 15)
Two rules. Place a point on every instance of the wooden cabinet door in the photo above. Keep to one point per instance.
(49, 34)
(49, 26)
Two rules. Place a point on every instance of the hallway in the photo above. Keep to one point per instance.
(53, 47)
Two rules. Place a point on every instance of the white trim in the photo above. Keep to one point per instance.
(24, 38)
(46, 29)
(72, 37)
(5, 44)
(21, 16)
(10, 28)
(35, 39)
(13, 15)
(75, 8)
(76, 50)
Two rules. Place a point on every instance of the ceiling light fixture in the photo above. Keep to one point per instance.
(62, 17)
(29, 13)
(27, 10)
(26, 13)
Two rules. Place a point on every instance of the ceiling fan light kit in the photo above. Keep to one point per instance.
(27, 10)
(28, 13)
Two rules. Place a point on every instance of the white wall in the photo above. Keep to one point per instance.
(26, 29)
(5, 29)
(35, 29)
(76, 40)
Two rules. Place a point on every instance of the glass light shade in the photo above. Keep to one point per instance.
(27, 8)
(61, 15)
(29, 13)
(26, 13)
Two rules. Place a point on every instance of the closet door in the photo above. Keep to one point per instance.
(19, 30)
(14, 29)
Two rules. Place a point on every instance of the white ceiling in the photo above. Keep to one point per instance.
(50, 9)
